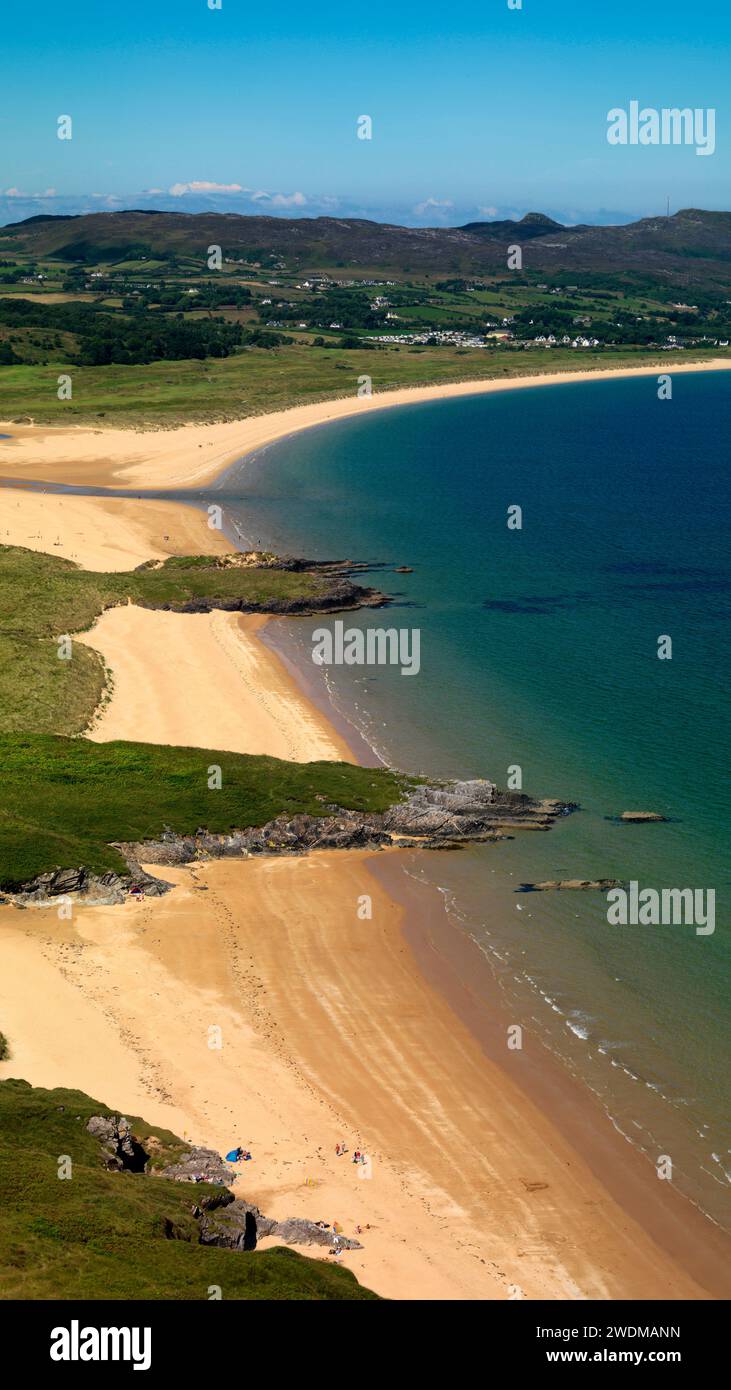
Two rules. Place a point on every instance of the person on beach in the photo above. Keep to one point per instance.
(238, 1155)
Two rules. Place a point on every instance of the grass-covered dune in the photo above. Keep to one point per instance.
(43, 597)
(105, 1235)
(257, 382)
(64, 801)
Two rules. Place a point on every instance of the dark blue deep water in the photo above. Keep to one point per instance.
(539, 649)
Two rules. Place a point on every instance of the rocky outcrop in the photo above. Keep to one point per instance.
(223, 1219)
(431, 816)
(198, 1165)
(641, 816)
(336, 592)
(340, 596)
(239, 1225)
(601, 885)
(96, 888)
(121, 1152)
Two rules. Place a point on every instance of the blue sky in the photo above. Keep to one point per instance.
(478, 110)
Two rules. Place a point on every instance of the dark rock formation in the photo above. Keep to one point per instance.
(341, 595)
(338, 592)
(428, 817)
(601, 885)
(431, 816)
(121, 1151)
(100, 888)
(239, 1225)
(196, 1165)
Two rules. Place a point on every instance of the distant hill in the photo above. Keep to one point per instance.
(692, 246)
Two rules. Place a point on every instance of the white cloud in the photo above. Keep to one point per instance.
(430, 203)
(281, 200)
(18, 193)
(487, 212)
(204, 186)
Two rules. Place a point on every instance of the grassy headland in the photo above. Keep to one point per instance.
(64, 801)
(105, 1235)
(43, 597)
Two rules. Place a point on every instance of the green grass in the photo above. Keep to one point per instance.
(64, 801)
(258, 381)
(43, 597)
(102, 1235)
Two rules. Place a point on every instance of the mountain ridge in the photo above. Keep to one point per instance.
(692, 245)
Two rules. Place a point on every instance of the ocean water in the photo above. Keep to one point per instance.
(539, 648)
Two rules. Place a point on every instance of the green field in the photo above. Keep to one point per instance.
(106, 1235)
(257, 381)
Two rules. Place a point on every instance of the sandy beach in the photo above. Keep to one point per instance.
(105, 533)
(329, 1033)
(330, 1029)
(194, 454)
(202, 680)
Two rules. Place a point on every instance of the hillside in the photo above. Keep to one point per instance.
(119, 1235)
(692, 246)
(128, 315)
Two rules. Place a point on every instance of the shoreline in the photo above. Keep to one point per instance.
(455, 968)
(453, 964)
(475, 1192)
(114, 531)
(129, 458)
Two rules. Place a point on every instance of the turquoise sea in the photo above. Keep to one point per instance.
(539, 648)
